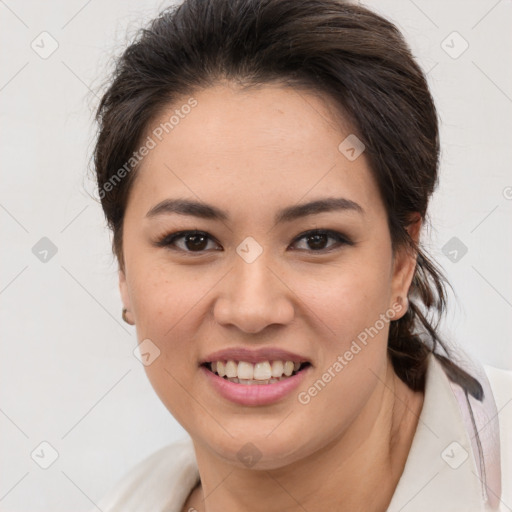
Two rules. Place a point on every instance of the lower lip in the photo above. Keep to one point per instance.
(256, 394)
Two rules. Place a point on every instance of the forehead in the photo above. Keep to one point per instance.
(251, 147)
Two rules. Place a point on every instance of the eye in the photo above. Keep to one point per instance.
(197, 241)
(317, 239)
(193, 241)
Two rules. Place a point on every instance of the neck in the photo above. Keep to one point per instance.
(357, 471)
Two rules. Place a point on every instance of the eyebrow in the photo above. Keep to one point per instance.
(291, 213)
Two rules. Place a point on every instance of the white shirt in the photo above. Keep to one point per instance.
(443, 472)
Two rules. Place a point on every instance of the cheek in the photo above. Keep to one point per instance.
(352, 340)
(349, 297)
(165, 303)
(162, 294)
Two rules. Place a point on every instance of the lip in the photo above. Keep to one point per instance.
(257, 394)
(254, 356)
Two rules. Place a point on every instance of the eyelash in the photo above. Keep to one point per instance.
(341, 240)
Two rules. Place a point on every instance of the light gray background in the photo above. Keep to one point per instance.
(68, 374)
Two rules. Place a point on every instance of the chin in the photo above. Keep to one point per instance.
(255, 449)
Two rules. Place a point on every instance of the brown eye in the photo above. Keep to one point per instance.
(196, 242)
(186, 241)
(317, 240)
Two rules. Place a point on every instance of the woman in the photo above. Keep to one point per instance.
(266, 167)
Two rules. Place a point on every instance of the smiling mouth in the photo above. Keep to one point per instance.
(264, 372)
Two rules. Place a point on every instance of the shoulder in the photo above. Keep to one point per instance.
(501, 385)
(161, 481)
(501, 382)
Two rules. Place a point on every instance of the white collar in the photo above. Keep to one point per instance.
(442, 470)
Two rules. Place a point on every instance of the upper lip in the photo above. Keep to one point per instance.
(254, 355)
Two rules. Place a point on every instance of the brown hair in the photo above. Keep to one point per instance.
(347, 52)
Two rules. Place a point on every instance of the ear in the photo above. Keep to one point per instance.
(404, 266)
(125, 296)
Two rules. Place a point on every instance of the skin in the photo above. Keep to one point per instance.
(252, 153)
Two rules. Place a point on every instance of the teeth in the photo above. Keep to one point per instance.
(264, 372)
(231, 370)
(247, 382)
(288, 368)
(277, 368)
(245, 370)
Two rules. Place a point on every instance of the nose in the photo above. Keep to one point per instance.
(254, 296)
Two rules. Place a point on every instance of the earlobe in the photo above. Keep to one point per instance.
(125, 297)
(404, 267)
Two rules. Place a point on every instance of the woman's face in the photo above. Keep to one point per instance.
(255, 280)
